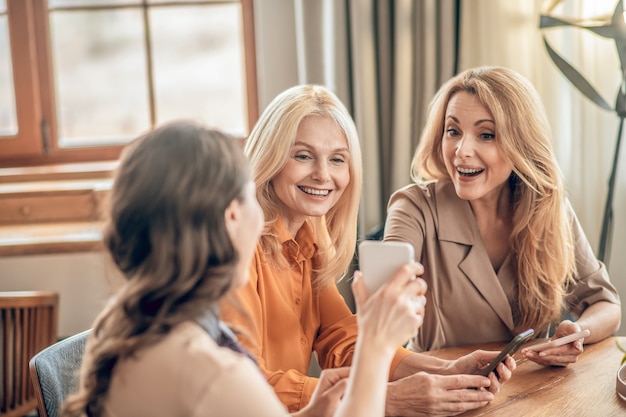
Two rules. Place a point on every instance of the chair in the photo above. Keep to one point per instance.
(28, 323)
(55, 372)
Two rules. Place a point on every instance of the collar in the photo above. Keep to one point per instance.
(303, 244)
(456, 220)
(221, 333)
(210, 322)
(457, 224)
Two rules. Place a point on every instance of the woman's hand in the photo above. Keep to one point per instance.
(390, 316)
(327, 394)
(475, 361)
(560, 355)
(386, 320)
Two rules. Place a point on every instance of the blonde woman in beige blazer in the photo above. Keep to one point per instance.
(489, 219)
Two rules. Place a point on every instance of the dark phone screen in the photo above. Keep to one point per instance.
(509, 349)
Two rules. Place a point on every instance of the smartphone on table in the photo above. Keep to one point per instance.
(509, 349)
(378, 261)
(560, 341)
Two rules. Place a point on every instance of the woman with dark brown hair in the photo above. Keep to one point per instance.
(182, 229)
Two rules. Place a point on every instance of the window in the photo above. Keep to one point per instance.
(80, 78)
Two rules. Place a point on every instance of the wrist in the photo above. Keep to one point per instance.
(392, 407)
(375, 349)
(449, 368)
(416, 362)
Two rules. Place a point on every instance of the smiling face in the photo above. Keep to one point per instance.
(471, 154)
(316, 174)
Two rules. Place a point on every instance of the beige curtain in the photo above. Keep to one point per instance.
(401, 52)
(385, 59)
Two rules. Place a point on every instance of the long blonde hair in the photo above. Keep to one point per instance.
(268, 148)
(541, 239)
(167, 237)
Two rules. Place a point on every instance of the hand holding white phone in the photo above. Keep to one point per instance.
(560, 341)
(378, 261)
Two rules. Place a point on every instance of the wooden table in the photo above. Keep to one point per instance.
(583, 389)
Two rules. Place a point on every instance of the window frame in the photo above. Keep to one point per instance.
(36, 142)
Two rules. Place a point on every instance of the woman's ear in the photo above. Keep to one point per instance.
(232, 217)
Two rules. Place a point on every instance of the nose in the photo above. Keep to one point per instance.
(321, 172)
(464, 147)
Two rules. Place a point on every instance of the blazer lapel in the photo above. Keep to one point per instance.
(457, 225)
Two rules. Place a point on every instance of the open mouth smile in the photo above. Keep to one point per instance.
(469, 172)
(313, 191)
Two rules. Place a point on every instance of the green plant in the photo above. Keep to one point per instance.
(623, 349)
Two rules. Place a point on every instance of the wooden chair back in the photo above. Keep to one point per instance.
(28, 324)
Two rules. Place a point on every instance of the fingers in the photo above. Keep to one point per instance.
(510, 363)
(457, 382)
(332, 383)
(331, 376)
(394, 312)
(336, 391)
(328, 393)
(557, 356)
(546, 358)
(566, 327)
(403, 281)
(408, 272)
(484, 357)
(358, 289)
(571, 349)
(428, 394)
(418, 305)
(503, 373)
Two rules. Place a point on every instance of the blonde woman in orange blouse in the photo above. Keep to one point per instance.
(306, 163)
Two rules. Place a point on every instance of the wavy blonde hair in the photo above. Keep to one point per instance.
(268, 148)
(541, 239)
(167, 236)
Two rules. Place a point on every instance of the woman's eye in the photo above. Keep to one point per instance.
(487, 136)
(338, 160)
(302, 157)
(452, 131)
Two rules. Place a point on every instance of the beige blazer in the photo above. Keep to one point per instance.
(467, 302)
(187, 374)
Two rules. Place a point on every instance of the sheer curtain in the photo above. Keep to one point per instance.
(401, 52)
(384, 58)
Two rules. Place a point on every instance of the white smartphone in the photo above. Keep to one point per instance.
(560, 341)
(378, 261)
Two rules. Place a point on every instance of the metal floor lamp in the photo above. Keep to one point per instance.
(614, 29)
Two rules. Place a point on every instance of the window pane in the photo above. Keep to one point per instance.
(72, 3)
(100, 75)
(198, 65)
(8, 118)
(191, 1)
